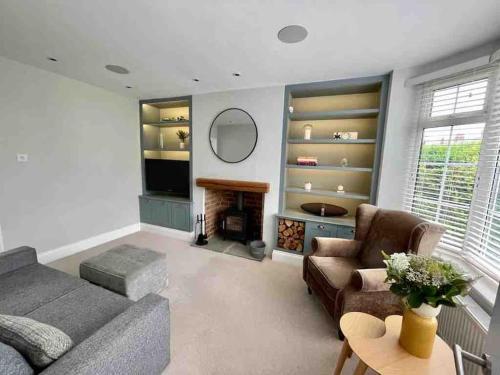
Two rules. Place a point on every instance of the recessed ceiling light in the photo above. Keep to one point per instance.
(129, 87)
(196, 80)
(52, 59)
(292, 34)
(236, 74)
(117, 69)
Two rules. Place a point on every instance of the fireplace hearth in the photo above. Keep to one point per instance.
(234, 212)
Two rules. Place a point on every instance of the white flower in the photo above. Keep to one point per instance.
(399, 262)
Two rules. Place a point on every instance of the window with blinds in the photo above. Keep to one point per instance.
(464, 98)
(454, 176)
(446, 174)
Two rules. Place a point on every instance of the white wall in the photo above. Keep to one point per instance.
(265, 105)
(397, 141)
(83, 174)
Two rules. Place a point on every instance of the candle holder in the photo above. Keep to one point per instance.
(307, 131)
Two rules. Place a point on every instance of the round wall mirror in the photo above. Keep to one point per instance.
(233, 135)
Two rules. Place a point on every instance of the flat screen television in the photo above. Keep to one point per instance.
(167, 176)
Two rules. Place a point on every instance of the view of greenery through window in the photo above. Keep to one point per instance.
(446, 175)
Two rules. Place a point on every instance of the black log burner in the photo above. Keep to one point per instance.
(235, 222)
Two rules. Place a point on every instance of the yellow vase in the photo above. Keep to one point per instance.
(418, 333)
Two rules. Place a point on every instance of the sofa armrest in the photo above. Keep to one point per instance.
(335, 247)
(17, 258)
(135, 342)
(370, 280)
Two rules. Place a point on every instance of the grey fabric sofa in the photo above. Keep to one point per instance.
(112, 334)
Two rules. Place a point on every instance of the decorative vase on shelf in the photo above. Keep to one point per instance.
(161, 140)
(307, 131)
(418, 330)
(182, 135)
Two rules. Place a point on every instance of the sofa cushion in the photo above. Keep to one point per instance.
(82, 311)
(335, 270)
(30, 287)
(390, 231)
(12, 362)
(40, 343)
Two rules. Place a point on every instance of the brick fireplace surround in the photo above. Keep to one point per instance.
(218, 201)
(223, 194)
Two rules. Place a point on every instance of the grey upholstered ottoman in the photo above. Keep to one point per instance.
(127, 270)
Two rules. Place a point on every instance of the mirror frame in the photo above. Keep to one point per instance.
(256, 135)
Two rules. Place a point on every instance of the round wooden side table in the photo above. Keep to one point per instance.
(357, 324)
(376, 343)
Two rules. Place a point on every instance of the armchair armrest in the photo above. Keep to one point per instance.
(335, 247)
(135, 342)
(370, 280)
(17, 258)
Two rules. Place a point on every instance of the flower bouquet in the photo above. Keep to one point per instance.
(424, 284)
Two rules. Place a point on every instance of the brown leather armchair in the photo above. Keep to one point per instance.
(348, 275)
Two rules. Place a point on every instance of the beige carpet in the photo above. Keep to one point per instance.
(234, 316)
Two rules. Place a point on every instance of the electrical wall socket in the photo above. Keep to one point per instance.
(22, 158)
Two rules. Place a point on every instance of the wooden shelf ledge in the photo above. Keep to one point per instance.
(235, 185)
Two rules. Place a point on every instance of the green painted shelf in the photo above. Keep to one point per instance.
(187, 149)
(333, 115)
(327, 193)
(329, 168)
(298, 214)
(169, 124)
(329, 141)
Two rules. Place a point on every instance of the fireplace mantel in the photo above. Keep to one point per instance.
(234, 185)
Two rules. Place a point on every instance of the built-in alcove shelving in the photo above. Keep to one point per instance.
(356, 106)
(166, 163)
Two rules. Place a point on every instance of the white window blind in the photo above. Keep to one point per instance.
(454, 172)
(445, 178)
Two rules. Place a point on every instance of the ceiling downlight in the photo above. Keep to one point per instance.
(117, 69)
(292, 34)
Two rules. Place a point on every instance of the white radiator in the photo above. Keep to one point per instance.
(457, 326)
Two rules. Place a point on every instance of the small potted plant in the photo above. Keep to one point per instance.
(182, 135)
(424, 284)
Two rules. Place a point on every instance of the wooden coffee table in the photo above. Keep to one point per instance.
(376, 343)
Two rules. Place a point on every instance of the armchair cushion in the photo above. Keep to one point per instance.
(370, 280)
(335, 270)
(390, 231)
(335, 247)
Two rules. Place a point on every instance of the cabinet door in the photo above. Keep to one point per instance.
(345, 232)
(180, 216)
(146, 211)
(318, 230)
(161, 213)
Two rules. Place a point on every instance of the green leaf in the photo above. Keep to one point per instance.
(415, 299)
(429, 291)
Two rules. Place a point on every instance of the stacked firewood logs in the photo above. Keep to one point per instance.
(291, 234)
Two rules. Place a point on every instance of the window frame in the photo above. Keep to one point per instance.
(484, 291)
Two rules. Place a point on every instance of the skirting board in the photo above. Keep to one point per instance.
(172, 233)
(67, 250)
(282, 256)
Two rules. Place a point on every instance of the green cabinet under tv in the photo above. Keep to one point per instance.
(165, 211)
(161, 122)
